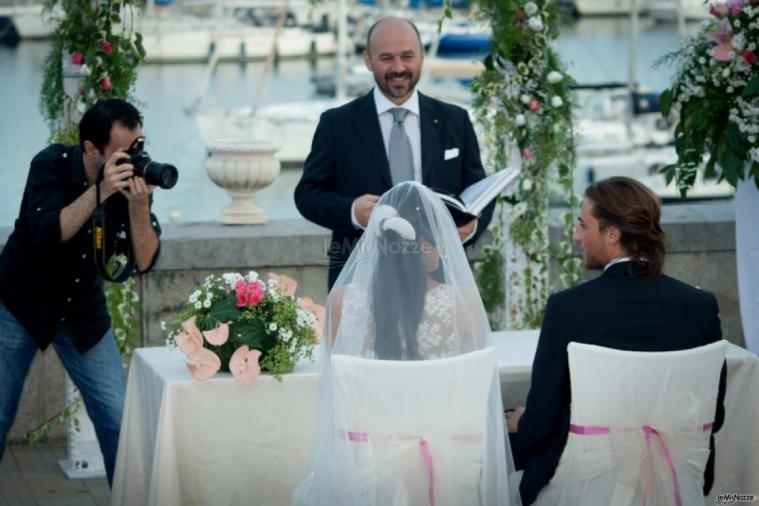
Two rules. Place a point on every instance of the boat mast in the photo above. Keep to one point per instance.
(342, 38)
(631, 75)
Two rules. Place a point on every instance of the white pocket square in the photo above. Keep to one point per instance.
(451, 153)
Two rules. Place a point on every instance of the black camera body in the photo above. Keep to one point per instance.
(157, 174)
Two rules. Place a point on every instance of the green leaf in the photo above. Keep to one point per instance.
(251, 333)
(752, 88)
(224, 311)
(669, 172)
(665, 102)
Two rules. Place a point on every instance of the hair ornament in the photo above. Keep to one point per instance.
(400, 226)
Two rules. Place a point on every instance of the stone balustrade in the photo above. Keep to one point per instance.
(701, 251)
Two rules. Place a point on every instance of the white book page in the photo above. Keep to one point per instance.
(479, 195)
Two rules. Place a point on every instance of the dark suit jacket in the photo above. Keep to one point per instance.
(615, 310)
(348, 160)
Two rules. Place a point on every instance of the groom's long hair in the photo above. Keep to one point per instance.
(635, 210)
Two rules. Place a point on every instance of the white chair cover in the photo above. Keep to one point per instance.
(411, 446)
(673, 393)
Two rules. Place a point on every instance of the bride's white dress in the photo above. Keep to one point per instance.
(436, 335)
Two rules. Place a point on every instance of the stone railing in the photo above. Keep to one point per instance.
(701, 251)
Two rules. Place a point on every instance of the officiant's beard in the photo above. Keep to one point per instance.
(402, 91)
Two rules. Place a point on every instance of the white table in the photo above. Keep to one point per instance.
(219, 442)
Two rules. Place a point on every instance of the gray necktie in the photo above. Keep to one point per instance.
(399, 152)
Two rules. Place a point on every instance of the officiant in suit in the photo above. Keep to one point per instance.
(630, 306)
(390, 135)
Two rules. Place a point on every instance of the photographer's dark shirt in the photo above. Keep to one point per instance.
(48, 284)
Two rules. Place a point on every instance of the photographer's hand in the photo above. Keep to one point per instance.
(137, 190)
(116, 177)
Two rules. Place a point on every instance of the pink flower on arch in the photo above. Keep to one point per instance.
(107, 47)
(534, 105)
(77, 58)
(244, 364)
(736, 7)
(526, 153)
(105, 84)
(203, 363)
(749, 56)
(217, 336)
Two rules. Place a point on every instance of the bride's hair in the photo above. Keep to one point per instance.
(400, 282)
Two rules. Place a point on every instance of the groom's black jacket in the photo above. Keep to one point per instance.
(348, 159)
(615, 310)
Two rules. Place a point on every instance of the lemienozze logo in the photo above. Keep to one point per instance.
(731, 498)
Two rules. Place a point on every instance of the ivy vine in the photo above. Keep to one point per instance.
(524, 103)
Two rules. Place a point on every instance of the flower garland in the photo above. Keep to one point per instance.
(523, 101)
(103, 53)
(716, 95)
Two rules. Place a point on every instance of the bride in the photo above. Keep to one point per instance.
(406, 294)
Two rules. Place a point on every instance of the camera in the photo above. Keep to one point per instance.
(157, 174)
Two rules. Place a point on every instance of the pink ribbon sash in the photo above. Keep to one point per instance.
(424, 449)
(648, 431)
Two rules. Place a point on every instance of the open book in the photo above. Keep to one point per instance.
(475, 198)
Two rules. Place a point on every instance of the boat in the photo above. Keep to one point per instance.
(30, 21)
(606, 7)
(666, 10)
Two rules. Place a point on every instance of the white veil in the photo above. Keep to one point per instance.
(405, 294)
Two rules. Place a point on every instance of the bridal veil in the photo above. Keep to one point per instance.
(410, 407)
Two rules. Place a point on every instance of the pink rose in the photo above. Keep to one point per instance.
(534, 105)
(749, 56)
(105, 84)
(526, 153)
(77, 58)
(255, 293)
(107, 47)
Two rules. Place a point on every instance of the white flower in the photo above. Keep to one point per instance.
(702, 60)
(726, 72)
(737, 23)
(751, 139)
(525, 99)
(84, 70)
(530, 8)
(519, 119)
(739, 41)
(527, 185)
(198, 305)
(535, 24)
(252, 276)
(163, 325)
(81, 106)
(556, 101)
(554, 77)
(206, 303)
(730, 89)
(272, 326)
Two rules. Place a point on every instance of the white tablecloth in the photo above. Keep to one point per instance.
(218, 442)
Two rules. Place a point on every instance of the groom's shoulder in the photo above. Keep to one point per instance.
(687, 292)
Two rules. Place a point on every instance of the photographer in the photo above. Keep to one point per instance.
(51, 290)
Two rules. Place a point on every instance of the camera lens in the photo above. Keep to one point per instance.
(158, 174)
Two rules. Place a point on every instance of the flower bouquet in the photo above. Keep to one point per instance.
(716, 95)
(243, 324)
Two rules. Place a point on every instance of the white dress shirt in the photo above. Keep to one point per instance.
(616, 261)
(412, 125)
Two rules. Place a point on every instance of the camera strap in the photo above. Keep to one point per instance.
(119, 266)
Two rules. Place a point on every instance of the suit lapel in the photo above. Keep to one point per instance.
(430, 123)
(367, 127)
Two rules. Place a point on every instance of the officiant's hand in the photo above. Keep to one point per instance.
(363, 206)
(466, 230)
(512, 419)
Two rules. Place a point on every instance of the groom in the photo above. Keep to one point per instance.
(631, 306)
(390, 135)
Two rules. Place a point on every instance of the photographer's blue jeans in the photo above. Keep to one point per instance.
(97, 374)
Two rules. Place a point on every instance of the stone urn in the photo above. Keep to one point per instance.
(242, 168)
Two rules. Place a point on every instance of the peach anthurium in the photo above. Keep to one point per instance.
(288, 284)
(217, 336)
(187, 343)
(203, 363)
(244, 364)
